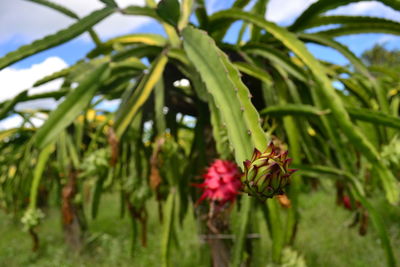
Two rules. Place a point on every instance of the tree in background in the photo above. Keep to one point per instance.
(379, 55)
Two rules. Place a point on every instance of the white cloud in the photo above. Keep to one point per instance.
(27, 21)
(45, 103)
(11, 122)
(285, 12)
(15, 121)
(117, 23)
(370, 8)
(13, 81)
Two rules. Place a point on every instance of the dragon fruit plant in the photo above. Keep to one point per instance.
(242, 86)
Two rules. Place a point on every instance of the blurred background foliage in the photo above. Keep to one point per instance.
(184, 99)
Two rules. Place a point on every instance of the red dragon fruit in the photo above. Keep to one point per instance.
(221, 182)
(347, 202)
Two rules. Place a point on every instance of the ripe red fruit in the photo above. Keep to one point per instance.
(221, 182)
(347, 203)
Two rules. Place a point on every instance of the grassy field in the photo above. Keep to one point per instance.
(324, 239)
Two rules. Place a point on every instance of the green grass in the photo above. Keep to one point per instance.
(324, 239)
(110, 242)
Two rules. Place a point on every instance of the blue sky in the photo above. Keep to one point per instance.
(28, 21)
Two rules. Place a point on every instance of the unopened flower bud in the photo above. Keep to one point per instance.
(266, 174)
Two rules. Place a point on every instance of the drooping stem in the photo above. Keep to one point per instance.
(72, 223)
(35, 240)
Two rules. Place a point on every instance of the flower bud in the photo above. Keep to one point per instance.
(267, 174)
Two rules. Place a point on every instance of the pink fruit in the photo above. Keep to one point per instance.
(347, 203)
(221, 182)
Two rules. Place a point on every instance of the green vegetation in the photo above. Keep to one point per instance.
(108, 244)
(380, 56)
(325, 239)
(125, 180)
